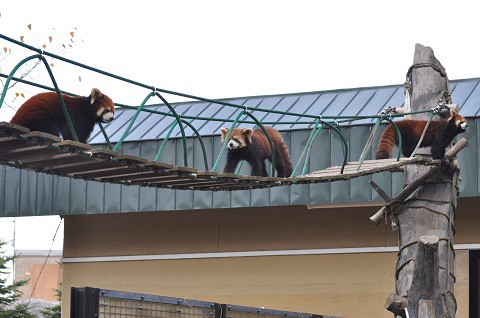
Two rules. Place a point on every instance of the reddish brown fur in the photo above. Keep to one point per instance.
(257, 150)
(439, 134)
(43, 112)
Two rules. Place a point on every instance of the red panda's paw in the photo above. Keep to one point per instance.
(382, 155)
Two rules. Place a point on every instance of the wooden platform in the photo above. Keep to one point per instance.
(46, 153)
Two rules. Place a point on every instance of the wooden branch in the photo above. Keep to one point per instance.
(380, 191)
(459, 145)
(425, 274)
(396, 304)
(409, 189)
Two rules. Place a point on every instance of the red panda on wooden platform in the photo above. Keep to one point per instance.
(252, 146)
(43, 112)
(439, 135)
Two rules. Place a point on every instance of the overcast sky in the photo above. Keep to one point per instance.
(224, 48)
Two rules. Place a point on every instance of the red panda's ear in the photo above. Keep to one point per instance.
(224, 133)
(94, 95)
(248, 133)
(453, 112)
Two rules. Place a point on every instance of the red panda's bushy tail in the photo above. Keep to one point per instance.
(386, 143)
(287, 161)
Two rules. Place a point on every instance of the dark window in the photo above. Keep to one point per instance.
(474, 283)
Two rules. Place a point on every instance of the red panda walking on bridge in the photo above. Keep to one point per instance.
(439, 135)
(252, 146)
(43, 112)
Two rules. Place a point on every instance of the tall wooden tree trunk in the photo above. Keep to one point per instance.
(430, 210)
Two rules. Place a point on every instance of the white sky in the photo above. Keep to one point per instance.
(224, 48)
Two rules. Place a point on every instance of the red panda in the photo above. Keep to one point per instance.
(252, 146)
(43, 112)
(439, 135)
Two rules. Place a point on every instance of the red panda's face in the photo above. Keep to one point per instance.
(459, 121)
(103, 105)
(239, 138)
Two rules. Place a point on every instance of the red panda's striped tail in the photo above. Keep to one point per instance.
(386, 143)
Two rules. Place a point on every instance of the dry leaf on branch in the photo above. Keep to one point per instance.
(50, 39)
(29, 26)
(21, 38)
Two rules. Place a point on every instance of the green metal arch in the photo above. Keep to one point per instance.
(54, 82)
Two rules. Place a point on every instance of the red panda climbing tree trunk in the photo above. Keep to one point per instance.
(429, 211)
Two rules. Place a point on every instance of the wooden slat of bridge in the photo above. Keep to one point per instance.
(45, 153)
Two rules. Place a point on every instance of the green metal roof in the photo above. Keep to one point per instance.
(345, 102)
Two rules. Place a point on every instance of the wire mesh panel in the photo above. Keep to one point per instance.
(233, 311)
(101, 303)
(110, 307)
(90, 302)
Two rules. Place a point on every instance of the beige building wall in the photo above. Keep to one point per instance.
(28, 266)
(347, 285)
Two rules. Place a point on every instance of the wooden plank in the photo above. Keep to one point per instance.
(383, 162)
(181, 182)
(371, 164)
(230, 176)
(28, 153)
(43, 136)
(226, 187)
(111, 172)
(130, 158)
(7, 129)
(57, 160)
(70, 144)
(93, 165)
(205, 186)
(158, 183)
(9, 144)
(104, 152)
(60, 167)
(107, 166)
(157, 164)
(114, 176)
(42, 160)
(370, 168)
(169, 167)
(144, 176)
(159, 177)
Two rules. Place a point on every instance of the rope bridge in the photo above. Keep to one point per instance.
(46, 153)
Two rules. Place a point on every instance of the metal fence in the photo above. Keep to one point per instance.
(87, 302)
